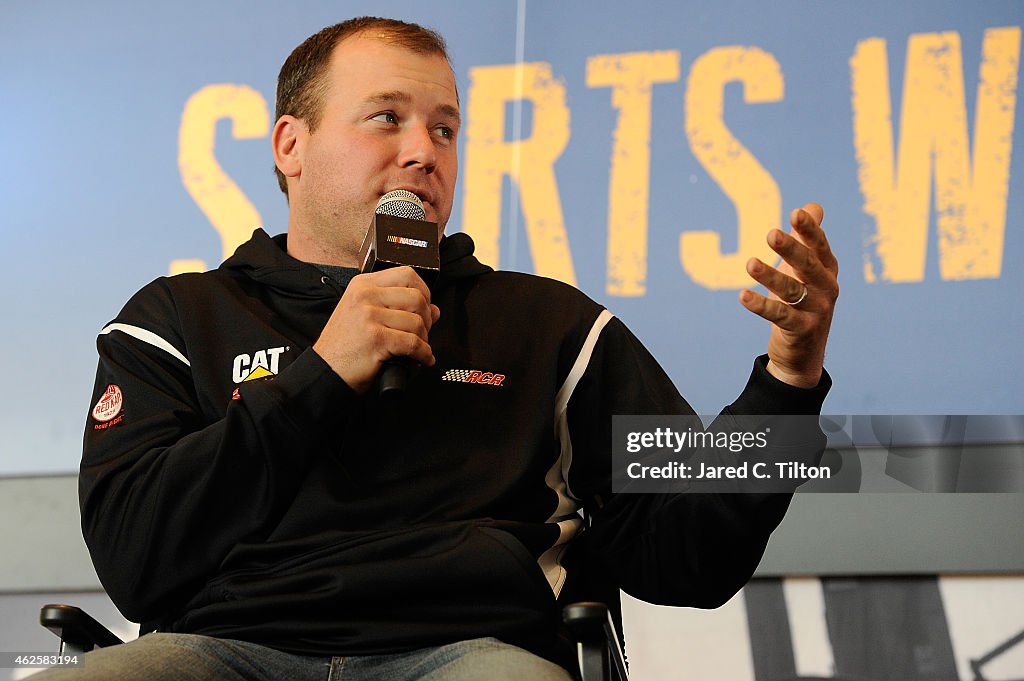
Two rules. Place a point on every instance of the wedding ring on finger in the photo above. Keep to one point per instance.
(803, 295)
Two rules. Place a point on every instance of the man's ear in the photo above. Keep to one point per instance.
(288, 140)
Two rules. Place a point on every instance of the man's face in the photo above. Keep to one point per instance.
(389, 121)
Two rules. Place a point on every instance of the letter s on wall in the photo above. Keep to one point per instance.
(227, 208)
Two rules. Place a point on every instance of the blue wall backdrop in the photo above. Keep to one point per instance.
(136, 143)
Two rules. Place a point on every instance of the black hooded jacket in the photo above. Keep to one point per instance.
(233, 485)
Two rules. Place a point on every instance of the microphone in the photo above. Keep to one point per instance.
(400, 235)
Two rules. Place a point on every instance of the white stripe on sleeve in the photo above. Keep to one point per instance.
(566, 515)
(146, 337)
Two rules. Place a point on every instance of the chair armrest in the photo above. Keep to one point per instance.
(76, 629)
(590, 624)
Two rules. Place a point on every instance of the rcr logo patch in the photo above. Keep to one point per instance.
(259, 364)
(473, 376)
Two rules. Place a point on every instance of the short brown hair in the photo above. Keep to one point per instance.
(302, 82)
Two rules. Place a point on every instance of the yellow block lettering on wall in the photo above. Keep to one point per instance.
(631, 77)
(529, 162)
(227, 208)
(970, 194)
(740, 175)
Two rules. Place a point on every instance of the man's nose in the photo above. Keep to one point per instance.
(418, 149)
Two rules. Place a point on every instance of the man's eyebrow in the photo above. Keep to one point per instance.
(395, 97)
(449, 111)
(399, 97)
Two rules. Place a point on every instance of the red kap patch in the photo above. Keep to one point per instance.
(109, 405)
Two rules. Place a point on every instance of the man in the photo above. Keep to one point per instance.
(245, 493)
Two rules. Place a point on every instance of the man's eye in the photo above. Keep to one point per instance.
(386, 117)
(446, 132)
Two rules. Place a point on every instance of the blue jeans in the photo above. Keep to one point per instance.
(201, 658)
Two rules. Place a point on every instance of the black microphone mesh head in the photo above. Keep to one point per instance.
(401, 204)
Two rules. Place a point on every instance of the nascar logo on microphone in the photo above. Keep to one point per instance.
(473, 376)
(406, 241)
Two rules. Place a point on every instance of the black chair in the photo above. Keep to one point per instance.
(588, 623)
(77, 630)
(597, 642)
